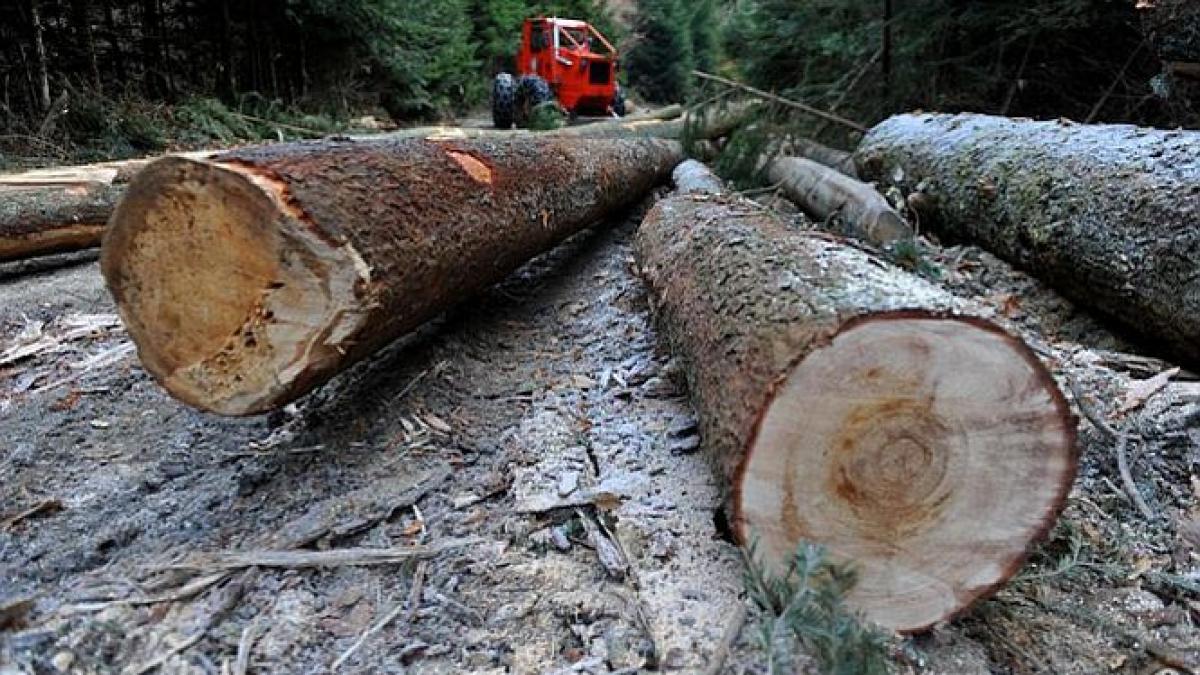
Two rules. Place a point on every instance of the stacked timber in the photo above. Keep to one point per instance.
(1109, 215)
(249, 278)
(849, 403)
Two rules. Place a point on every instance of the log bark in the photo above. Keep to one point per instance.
(1105, 214)
(36, 221)
(846, 402)
(857, 208)
(248, 279)
(839, 160)
(53, 219)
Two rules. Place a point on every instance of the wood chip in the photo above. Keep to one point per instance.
(42, 508)
(1140, 391)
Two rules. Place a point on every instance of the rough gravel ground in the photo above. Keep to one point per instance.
(536, 441)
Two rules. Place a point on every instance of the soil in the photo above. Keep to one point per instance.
(537, 443)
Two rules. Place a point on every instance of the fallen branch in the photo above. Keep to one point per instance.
(301, 559)
(1121, 440)
(804, 107)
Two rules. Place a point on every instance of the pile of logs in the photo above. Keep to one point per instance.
(842, 399)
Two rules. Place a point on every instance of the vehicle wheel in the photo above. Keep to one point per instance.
(618, 102)
(532, 91)
(504, 96)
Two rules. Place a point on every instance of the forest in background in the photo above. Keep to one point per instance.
(111, 78)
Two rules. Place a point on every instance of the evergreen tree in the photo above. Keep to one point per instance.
(705, 35)
(660, 62)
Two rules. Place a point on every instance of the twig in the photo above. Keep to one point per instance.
(413, 597)
(717, 661)
(188, 590)
(242, 663)
(1113, 87)
(281, 125)
(837, 119)
(232, 594)
(1131, 488)
(333, 558)
(1122, 439)
(45, 506)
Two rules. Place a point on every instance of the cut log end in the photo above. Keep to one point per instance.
(275, 296)
(930, 476)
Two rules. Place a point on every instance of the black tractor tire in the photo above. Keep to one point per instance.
(504, 95)
(618, 102)
(504, 100)
(532, 91)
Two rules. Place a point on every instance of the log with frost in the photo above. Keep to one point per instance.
(849, 403)
(248, 279)
(829, 195)
(1108, 215)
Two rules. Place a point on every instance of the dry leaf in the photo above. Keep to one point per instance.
(1140, 391)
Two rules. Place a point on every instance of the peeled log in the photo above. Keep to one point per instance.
(1105, 214)
(846, 402)
(249, 279)
(826, 194)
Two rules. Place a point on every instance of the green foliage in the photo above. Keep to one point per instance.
(705, 34)
(660, 62)
(546, 117)
(806, 604)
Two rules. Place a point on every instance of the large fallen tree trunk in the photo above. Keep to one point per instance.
(35, 221)
(248, 279)
(1105, 214)
(828, 195)
(66, 209)
(849, 403)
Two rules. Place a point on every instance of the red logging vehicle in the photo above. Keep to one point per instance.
(561, 60)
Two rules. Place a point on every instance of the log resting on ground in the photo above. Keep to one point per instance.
(833, 158)
(53, 211)
(1108, 215)
(829, 195)
(248, 279)
(849, 403)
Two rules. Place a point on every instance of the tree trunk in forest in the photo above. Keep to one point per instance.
(1105, 214)
(855, 207)
(848, 403)
(39, 44)
(81, 17)
(249, 279)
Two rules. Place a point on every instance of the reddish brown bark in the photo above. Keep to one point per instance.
(249, 279)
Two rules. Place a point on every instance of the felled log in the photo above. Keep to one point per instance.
(248, 279)
(1105, 214)
(828, 196)
(36, 221)
(846, 402)
(63, 209)
(839, 160)
(54, 211)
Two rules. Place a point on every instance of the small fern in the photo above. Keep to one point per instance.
(806, 606)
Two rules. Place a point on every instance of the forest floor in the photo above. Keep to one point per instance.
(538, 443)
